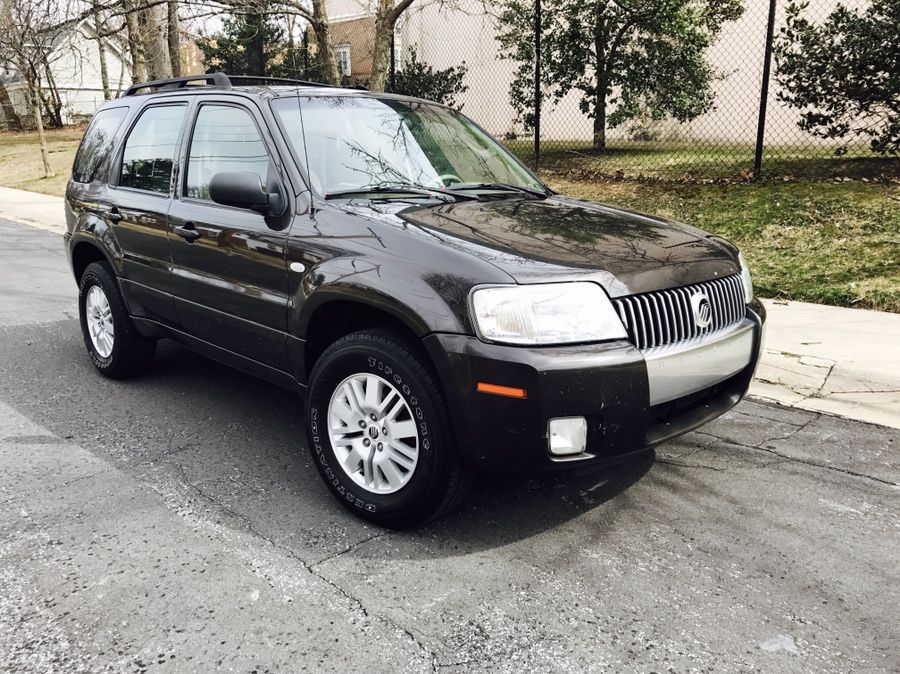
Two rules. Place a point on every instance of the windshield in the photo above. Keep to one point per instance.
(358, 142)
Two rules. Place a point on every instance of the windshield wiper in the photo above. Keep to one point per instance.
(505, 187)
(400, 188)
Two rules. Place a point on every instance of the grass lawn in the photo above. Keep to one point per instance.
(811, 239)
(675, 161)
(20, 160)
(817, 241)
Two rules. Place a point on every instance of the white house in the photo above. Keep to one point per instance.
(74, 61)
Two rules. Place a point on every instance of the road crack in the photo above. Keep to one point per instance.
(349, 548)
(355, 601)
(670, 462)
(814, 464)
(57, 486)
(760, 447)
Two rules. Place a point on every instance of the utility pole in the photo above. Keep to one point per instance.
(537, 84)
(393, 60)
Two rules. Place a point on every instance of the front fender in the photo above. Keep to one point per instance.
(424, 302)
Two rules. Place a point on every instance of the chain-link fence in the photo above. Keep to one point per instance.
(684, 102)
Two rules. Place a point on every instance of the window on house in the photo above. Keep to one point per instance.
(150, 149)
(342, 55)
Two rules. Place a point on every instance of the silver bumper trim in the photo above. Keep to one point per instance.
(681, 369)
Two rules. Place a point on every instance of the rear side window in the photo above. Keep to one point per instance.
(150, 149)
(225, 139)
(96, 144)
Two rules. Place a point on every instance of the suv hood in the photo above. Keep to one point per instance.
(565, 239)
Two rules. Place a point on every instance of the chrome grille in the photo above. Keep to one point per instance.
(666, 317)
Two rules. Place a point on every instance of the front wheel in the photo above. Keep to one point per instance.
(379, 431)
(113, 343)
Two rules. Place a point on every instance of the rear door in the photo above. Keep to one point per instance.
(229, 267)
(138, 200)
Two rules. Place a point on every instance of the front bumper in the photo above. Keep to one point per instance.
(632, 401)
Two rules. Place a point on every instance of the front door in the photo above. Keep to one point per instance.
(229, 268)
(137, 203)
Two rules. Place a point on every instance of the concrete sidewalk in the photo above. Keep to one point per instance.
(844, 362)
(834, 360)
(38, 210)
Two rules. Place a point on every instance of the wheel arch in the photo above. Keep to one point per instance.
(333, 316)
(84, 252)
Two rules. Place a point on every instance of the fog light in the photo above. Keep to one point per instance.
(568, 435)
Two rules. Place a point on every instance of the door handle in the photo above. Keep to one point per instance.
(113, 215)
(187, 232)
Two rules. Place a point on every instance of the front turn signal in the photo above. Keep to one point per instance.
(497, 390)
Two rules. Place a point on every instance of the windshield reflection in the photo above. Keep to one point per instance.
(359, 142)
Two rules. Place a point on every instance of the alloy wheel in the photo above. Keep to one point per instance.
(373, 433)
(99, 321)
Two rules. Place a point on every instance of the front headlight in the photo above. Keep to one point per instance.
(745, 278)
(546, 313)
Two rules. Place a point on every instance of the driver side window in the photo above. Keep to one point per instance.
(225, 139)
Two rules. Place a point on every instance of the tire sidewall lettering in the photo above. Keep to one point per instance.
(340, 483)
(89, 280)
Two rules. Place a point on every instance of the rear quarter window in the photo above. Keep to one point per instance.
(97, 143)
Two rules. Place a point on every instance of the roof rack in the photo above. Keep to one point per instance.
(220, 80)
(251, 79)
(213, 79)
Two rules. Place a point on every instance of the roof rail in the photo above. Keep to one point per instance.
(250, 79)
(213, 79)
(216, 80)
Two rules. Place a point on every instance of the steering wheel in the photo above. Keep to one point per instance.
(450, 178)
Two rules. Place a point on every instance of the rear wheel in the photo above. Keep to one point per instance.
(113, 343)
(379, 430)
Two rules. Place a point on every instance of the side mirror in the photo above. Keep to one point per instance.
(244, 189)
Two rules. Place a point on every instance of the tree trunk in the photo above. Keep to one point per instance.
(173, 33)
(322, 30)
(135, 45)
(104, 71)
(34, 90)
(52, 100)
(152, 22)
(600, 117)
(120, 83)
(255, 47)
(13, 121)
(101, 50)
(601, 81)
(381, 50)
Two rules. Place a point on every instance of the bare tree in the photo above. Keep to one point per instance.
(311, 11)
(153, 22)
(387, 13)
(50, 97)
(152, 29)
(135, 42)
(100, 32)
(318, 21)
(28, 31)
(173, 34)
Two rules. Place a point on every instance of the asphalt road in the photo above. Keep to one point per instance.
(175, 523)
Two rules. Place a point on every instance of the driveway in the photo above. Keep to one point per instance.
(176, 523)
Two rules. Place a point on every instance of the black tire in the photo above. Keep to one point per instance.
(131, 353)
(438, 482)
